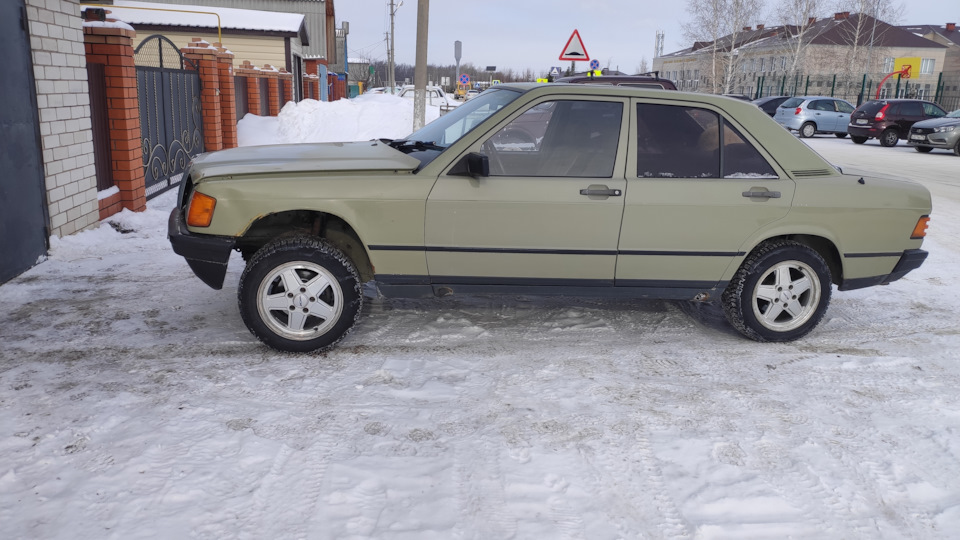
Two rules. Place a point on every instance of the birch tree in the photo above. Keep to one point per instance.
(720, 22)
(795, 16)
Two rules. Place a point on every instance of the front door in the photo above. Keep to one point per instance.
(549, 213)
(22, 212)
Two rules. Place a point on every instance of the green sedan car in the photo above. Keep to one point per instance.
(575, 190)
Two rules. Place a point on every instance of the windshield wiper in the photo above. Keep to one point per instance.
(405, 145)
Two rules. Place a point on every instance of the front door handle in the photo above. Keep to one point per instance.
(603, 191)
(761, 194)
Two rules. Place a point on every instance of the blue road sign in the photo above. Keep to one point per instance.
(464, 79)
(594, 64)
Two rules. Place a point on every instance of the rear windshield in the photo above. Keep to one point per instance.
(871, 108)
(791, 103)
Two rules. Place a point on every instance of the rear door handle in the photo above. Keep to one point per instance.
(761, 194)
(601, 192)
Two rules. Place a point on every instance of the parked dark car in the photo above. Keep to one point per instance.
(889, 120)
(651, 80)
(943, 133)
(769, 104)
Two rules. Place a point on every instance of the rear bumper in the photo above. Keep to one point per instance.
(909, 261)
(206, 255)
(863, 131)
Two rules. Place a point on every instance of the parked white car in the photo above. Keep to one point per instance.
(435, 95)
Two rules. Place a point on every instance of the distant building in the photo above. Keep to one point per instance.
(826, 56)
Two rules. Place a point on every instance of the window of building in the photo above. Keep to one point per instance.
(927, 65)
(888, 64)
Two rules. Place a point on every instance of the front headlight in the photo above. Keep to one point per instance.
(944, 129)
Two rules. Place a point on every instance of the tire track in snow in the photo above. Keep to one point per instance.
(480, 492)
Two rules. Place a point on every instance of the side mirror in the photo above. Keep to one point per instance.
(473, 164)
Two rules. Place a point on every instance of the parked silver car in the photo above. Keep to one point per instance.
(810, 115)
(937, 133)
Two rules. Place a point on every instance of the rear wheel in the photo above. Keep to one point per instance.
(780, 293)
(808, 130)
(923, 149)
(889, 137)
(300, 294)
(858, 140)
(840, 135)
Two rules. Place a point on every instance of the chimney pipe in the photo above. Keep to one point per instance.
(951, 26)
(811, 20)
(839, 16)
(746, 29)
(759, 27)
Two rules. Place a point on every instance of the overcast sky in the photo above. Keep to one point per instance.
(522, 34)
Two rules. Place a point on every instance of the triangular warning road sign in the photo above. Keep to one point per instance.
(574, 50)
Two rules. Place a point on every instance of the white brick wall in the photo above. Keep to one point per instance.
(60, 70)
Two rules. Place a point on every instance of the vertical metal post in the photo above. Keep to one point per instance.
(806, 89)
(833, 86)
(939, 92)
(391, 72)
(420, 70)
(896, 94)
(783, 84)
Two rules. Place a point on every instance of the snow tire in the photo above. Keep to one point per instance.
(779, 293)
(300, 294)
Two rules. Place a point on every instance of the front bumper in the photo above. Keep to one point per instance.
(910, 260)
(946, 140)
(206, 255)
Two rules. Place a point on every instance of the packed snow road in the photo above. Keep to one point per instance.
(135, 404)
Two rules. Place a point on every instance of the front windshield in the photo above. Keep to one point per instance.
(447, 129)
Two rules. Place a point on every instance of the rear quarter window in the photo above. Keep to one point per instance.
(791, 103)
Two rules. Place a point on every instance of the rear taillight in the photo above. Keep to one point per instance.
(881, 114)
(798, 111)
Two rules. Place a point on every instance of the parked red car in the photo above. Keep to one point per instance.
(889, 120)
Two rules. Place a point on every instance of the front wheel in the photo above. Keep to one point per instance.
(780, 293)
(840, 135)
(858, 140)
(923, 149)
(808, 130)
(300, 294)
(889, 137)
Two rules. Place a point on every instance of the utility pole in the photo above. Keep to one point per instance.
(420, 70)
(391, 73)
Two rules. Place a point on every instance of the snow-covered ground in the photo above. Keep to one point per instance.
(135, 404)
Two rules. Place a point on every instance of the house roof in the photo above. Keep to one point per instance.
(924, 29)
(837, 30)
(151, 14)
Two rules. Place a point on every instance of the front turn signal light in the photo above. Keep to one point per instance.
(200, 213)
(920, 231)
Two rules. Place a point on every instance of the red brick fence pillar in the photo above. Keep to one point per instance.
(204, 55)
(113, 47)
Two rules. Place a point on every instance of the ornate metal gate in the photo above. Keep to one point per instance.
(170, 118)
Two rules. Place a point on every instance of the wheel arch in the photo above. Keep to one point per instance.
(324, 225)
(825, 247)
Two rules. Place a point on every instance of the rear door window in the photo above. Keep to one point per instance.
(687, 142)
(911, 108)
(844, 107)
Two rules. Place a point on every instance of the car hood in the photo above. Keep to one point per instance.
(302, 158)
(938, 122)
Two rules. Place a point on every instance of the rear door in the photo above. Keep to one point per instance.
(910, 113)
(697, 189)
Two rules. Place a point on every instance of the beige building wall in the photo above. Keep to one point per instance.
(259, 50)
(63, 100)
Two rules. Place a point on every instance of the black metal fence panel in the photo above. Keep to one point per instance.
(170, 117)
(100, 124)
